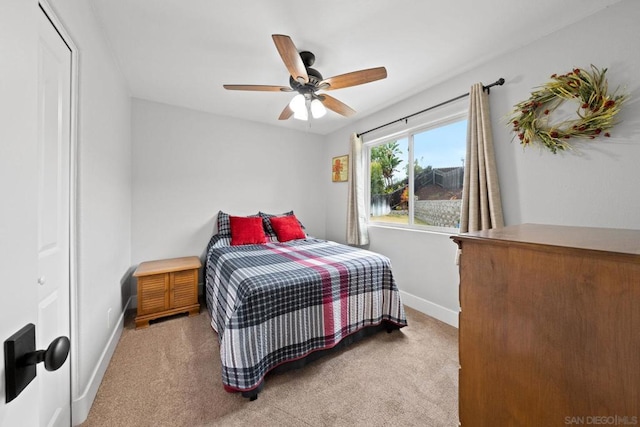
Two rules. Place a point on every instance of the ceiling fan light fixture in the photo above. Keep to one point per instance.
(297, 104)
(317, 109)
(301, 115)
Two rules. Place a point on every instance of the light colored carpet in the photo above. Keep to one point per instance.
(169, 375)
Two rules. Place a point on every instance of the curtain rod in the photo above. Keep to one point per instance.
(498, 82)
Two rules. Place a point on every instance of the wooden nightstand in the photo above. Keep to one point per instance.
(166, 287)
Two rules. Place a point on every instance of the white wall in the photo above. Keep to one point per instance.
(188, 165)
(595, 185)
(103, 201)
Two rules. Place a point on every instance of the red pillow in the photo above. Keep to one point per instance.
(246, 230)
(287, 228)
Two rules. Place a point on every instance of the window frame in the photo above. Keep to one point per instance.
(440, 117)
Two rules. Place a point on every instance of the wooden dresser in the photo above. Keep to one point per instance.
(549, 326)
(166, 287)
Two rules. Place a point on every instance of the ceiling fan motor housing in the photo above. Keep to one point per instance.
(315, 77)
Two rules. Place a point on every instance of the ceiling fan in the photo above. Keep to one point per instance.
(308, 81)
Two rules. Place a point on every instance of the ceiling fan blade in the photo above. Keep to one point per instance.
(339, 107)
(260, 88)
(291, 57)
(286, 113)
(354, 78)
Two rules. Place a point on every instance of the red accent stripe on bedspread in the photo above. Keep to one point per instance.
(330, 329)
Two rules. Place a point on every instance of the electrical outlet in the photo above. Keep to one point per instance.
(109, 318)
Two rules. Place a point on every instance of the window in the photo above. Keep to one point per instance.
(427, 195)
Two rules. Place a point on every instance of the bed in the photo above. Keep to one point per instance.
(279, 303)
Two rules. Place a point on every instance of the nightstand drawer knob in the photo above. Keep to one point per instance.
(42, 280)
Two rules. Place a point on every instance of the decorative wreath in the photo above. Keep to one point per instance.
(596, 111)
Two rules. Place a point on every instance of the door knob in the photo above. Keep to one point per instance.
(21, 357)
(53, 357)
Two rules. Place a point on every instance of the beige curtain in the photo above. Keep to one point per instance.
(481, 204)
(357, 233)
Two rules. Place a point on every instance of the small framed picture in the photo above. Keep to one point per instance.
(340, 168)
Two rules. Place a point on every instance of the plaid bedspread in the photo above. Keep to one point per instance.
(278, 302)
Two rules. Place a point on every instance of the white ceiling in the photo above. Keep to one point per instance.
(181, 52)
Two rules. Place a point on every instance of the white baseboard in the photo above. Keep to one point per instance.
(429, 308)
(82, 404)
